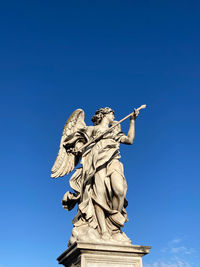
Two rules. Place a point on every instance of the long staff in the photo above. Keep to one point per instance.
(110, 129)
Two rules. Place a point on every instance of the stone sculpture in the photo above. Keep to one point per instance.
(99, 184)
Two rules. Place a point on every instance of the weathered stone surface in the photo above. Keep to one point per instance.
(99, 184)
(82, 254)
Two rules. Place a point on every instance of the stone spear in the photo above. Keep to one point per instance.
(108, 130)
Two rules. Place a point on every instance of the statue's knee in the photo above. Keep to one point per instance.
(118, 185)
(119, 191)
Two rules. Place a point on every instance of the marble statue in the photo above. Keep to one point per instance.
(99, 184)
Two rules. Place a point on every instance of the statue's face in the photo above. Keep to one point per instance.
(110, 117)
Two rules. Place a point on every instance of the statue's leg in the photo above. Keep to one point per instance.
(100, 193)
(119, 190)
(101, 218)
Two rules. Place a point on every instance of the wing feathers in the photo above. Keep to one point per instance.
(59, 160)
(65, 161)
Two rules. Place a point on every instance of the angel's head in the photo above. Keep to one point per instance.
(101, 113)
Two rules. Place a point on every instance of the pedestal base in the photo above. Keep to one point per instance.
(82, 254)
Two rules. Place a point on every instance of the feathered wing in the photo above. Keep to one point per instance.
(66, 160)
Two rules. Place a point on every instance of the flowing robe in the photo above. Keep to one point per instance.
(91, 189)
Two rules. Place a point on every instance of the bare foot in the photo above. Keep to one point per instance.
(121, 237)
(106, 236)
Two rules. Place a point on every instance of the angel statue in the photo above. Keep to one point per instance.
(99, 184)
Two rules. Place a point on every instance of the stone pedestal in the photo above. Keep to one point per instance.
(82, 254)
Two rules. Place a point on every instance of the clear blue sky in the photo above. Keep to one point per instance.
(56, 56)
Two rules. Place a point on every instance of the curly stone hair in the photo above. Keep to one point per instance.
(100, 113)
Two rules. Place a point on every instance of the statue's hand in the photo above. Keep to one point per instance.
(135, 114)
(77, 150)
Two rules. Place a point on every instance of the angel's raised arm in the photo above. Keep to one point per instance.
(74, 132)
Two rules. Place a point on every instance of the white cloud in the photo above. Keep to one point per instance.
(176, 240)
(175, 254)
(176, 264)
(174, 249)
(182, 249)
(172, 263)
(155, 264)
